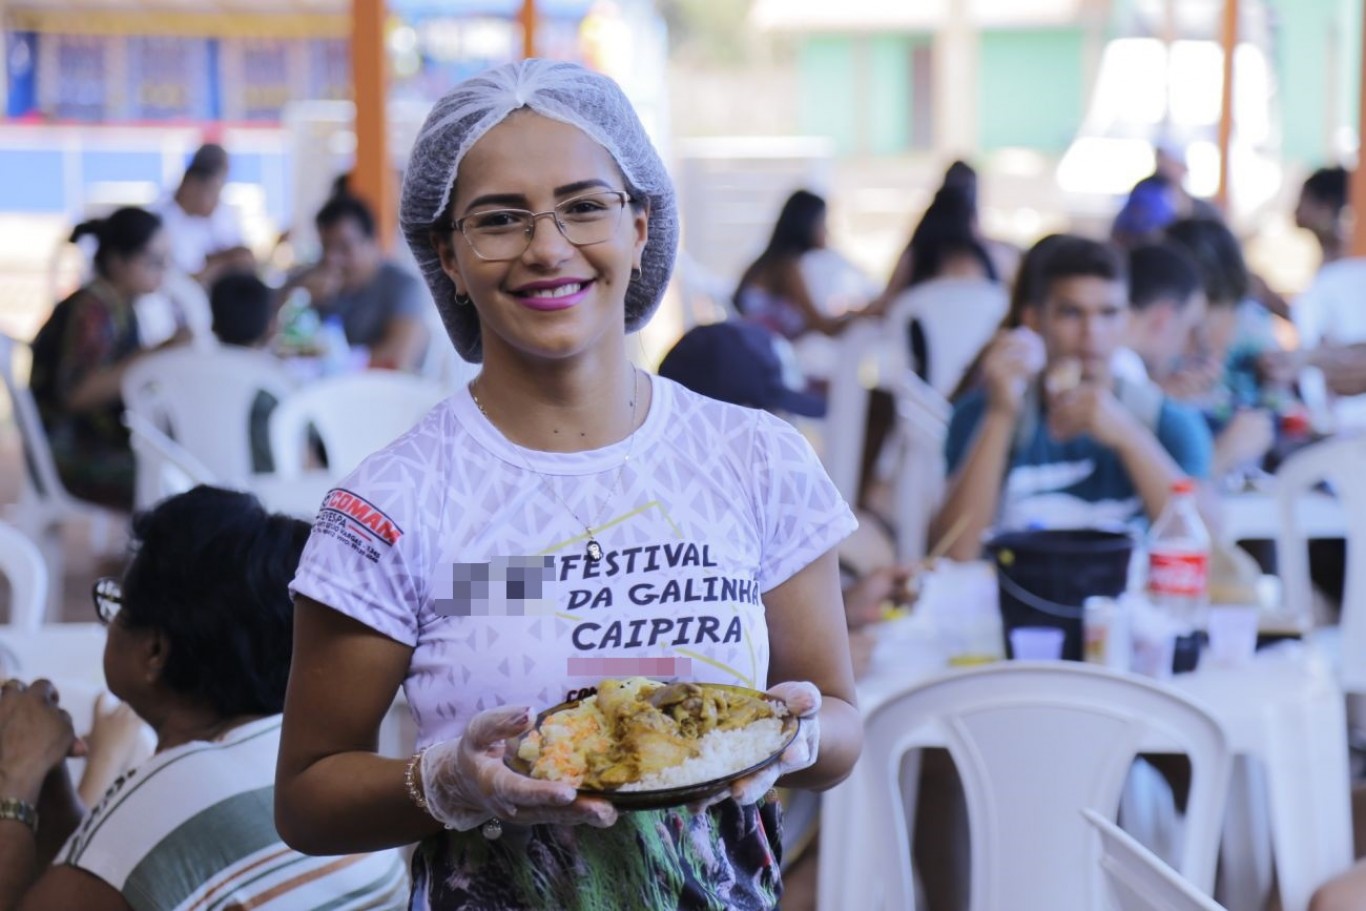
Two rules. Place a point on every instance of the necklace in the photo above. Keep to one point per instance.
(593, 550)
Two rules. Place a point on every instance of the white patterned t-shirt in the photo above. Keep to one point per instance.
(473, 551)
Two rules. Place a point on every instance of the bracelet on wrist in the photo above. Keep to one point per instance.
(19, 811)
(410, 782)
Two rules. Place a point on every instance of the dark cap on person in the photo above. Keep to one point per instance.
(741, 363)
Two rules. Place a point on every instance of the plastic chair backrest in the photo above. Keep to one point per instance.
(958, 317)
(203, 401)
(1137, 878)
(1034, 744)
(354, 415)
(843, 436)
(1339, 462)
(41, 482)
(164, 467)
(922, 423)
(22, 564)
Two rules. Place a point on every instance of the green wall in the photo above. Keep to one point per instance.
(828, 84)
(1029, 89)
(887, 116)
(858, 90)
(1317, 55)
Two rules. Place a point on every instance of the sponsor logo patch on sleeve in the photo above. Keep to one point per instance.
(355, 521)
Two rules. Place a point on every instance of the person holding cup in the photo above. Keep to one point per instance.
(1053, 438)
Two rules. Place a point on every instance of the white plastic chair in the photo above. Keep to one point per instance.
(958, 317)
(1340, 463)
(202, 400)
(354, 415)
(164, 467)
(846, 417)
(1137, 879)
(919, 478)
(1034, 744)
(22, 564)
(45, 506)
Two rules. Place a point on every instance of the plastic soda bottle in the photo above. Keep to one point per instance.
(1178, 559)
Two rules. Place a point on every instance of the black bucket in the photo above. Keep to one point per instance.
(1045, 576)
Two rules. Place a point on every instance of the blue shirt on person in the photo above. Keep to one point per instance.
(1076, 483)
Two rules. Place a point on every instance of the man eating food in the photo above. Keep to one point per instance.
(1054, 439)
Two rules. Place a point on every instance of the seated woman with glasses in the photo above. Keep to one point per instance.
(200, 632)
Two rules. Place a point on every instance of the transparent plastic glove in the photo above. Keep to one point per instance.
(465, 782)
(804, 701)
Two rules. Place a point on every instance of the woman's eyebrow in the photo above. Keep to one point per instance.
(518, 201)
(580, 186)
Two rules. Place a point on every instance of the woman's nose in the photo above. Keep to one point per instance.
(547, 243)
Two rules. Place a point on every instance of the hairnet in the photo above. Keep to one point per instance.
(561, 91)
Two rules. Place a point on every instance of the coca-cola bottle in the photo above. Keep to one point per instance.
(1178, 559)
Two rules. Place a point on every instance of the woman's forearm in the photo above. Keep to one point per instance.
(60, 810)
(348, 803)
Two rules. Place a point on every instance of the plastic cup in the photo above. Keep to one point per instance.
(1036, 643)
(1232, 634)
(1153, 655)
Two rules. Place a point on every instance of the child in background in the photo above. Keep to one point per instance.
(244, 316)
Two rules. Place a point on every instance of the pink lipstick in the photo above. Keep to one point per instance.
(552, 294)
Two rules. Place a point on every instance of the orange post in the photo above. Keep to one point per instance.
(1229, 39)
(372, 180)
(528, 20)
(1359, 174)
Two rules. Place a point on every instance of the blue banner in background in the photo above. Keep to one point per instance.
(21, 62)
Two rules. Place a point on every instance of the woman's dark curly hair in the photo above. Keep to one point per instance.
(211, 572)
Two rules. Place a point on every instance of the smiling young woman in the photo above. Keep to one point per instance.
(565, 518)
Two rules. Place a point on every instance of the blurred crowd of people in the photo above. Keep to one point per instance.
(1086, 376)
(187, 253)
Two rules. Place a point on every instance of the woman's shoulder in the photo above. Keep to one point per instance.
(704, 427)
(175, 788)
(432, 458)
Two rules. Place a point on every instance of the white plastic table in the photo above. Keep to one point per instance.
(1284, 715)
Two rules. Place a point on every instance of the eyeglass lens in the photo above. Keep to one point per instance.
(506, 233)
(107, 594)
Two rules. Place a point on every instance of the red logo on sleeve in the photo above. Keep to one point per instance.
(363, 515)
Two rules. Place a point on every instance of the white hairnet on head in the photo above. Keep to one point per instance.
(561, 91)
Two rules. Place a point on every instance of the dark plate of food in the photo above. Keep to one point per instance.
(643, 745)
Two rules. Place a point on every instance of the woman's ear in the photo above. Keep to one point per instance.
(640, 221)
(155, 651)
(443, 242)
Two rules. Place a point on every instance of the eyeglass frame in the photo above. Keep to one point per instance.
(458, 225)
(103, 598)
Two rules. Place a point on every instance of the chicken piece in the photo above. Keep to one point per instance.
(619, 698)
(672, 694)
(741, 711)
(656, 750)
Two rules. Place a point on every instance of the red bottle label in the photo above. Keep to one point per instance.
(1184, 574)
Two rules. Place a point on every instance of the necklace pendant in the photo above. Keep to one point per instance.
(594, 550)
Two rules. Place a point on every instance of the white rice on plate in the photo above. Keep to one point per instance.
(723, 753)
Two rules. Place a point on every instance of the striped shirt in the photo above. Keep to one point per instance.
(193, 829)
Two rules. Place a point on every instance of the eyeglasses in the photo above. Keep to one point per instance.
(107, 593)
(496, 235)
